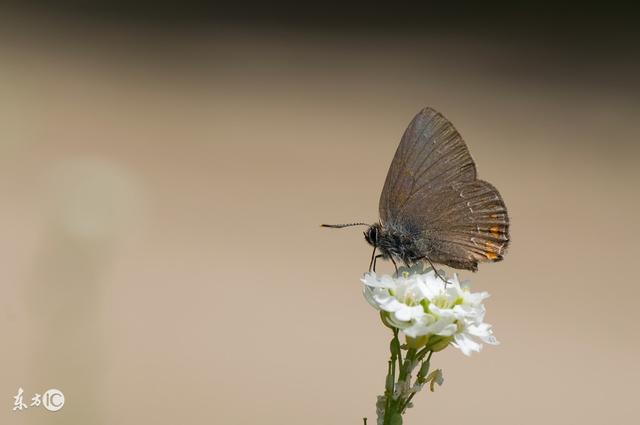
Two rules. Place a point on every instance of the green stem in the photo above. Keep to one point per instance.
(391, 376)
(389, 385)
(422, 352)
(404, 405)
(394, 409)
(408, 364)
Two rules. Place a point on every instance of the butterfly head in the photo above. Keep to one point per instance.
(372, 234)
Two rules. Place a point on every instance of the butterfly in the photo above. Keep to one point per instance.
(433, 207)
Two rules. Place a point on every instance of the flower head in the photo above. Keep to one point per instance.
(428, 312)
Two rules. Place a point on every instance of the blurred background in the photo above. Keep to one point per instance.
(164, 169)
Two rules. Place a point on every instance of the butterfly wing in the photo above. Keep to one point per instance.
(431, 155)
(431, 192)
(463, 224)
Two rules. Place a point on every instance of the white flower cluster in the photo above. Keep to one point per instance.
(430, 313)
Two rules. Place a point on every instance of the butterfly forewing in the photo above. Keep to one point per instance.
(431, 155)
(431, 191)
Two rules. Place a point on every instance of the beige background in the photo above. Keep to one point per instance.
(161, 195)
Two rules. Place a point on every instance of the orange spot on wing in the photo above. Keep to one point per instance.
(491, 251)
(495, 231)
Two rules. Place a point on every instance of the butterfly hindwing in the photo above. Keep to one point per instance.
(471, 226)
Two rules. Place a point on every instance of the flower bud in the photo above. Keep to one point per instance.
(424, 369)
(389, 384)
(438, 343)
(395, 347)
(384, 316)
(417, 342)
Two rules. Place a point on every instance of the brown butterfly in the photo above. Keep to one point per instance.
(432, 207)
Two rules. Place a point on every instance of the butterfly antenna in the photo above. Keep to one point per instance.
(340, 226)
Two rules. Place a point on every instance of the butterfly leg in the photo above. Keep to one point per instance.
(372, 263)
(435, 270)
(394, 264)
(375, 260)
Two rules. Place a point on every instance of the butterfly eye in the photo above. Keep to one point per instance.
(371, 235)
